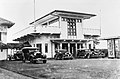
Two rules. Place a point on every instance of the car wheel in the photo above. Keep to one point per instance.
(23, 61)
(44, 61)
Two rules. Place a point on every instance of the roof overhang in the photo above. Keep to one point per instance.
(110, 38)
(58, 13)
(70, 40)
(92, 35)
(4, 22)
(32, 35)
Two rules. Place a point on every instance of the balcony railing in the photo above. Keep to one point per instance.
(23, 32)
(90, 31)
(29, 30)
(48, 29)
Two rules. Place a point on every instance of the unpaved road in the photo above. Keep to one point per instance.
(67, 69)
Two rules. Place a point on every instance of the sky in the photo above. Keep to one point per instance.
(21, 12)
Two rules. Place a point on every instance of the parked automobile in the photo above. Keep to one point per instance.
(93, 53)
(31, 54)
(97, 54)
(62, 54)
(18, 55)
(82, 53)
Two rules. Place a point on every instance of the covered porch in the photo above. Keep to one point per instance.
(71, 45)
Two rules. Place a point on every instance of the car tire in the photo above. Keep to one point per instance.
(44, 61)
(23, 61)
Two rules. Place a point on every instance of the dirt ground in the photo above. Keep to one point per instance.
(67, 69)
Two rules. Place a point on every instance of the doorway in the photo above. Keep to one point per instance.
(65, 46)
(73, 49)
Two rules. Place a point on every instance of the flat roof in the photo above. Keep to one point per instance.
(109, 38)
(67, 13)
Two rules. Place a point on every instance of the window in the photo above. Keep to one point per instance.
(71, 23)
(34, 45)
(46, 48)
(40, 47)
(1, 50)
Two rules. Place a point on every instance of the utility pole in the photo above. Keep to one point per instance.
(100, 21)
(34, 18)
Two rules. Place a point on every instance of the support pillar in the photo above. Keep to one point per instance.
(68, 47)
(76, 49)
(60, 45)
(52, 50)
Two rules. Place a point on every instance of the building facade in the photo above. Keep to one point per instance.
(59, 30)
(4, 25)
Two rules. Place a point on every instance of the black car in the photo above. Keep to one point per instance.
(31, 54)
(62, 54)
(97, 54)
(83, 53)
(18, 55)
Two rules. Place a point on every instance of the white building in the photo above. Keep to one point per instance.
(59, 30)
(4, 25)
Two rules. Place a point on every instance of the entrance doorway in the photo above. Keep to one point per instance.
(65, 46)
(40, 47)
(73, 49)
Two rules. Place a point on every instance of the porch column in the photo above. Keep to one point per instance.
(61, 45)
(76, 49)
(52, 50)
(58, 47)
(68, 47)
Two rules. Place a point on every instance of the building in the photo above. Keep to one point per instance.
(4, 25)
(59, 30)
(113, 46)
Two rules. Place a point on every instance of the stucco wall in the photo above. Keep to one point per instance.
(3, 30)
(63, 27)
(43, 39)
(4, 37)
(79, 31)
(3, 54)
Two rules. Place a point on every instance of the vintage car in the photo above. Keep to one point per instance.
(18, 55)
(93, 53)
(82, 53)
(97, 54)
(33, 55)
(62, 54)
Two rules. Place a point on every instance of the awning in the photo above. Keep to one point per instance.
(18, 45)
(3, 46)
(57, 40)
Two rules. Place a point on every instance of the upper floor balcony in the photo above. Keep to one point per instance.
(40, 30)
(52, 30)
(23, 32)
(48, 29)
